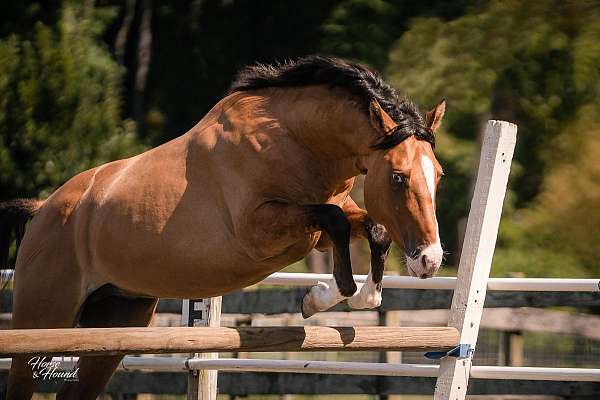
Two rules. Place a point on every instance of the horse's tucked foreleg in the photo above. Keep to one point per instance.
(369, 295)
(332, 220)
(277, 224)
(363, 227)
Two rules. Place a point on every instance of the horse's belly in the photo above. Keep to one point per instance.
(192, 255)
(176, 273)
(234, 270)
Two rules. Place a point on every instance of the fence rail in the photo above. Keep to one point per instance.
(285, 301)
(447, 283)
(121, 341)
(180, 364)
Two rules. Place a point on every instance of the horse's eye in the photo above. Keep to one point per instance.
(398, 178)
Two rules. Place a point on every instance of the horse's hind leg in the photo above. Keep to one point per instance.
(112, 311)
(40, 301)
(21, 382)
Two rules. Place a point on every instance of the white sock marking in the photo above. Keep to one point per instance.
(321, 297)
(367, 297)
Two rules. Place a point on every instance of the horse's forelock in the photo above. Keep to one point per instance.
(403, 131)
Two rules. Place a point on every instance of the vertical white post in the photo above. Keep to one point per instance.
(477, 252)
(202, 385)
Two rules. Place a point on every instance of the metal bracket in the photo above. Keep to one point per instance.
(461, 351)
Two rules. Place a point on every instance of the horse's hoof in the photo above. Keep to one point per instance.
(361, 302)
(304, 314)
(320, 297)
(354, 303)
(307, 309)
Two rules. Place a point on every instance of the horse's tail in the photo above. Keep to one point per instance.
(14, 214)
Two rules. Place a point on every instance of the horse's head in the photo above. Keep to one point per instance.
(400, 188)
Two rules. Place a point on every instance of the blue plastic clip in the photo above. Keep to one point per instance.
(460, 351)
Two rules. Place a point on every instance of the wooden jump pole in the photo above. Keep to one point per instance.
(476, 256)
(121, 341)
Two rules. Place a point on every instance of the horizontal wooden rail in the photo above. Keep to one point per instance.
(113, 341)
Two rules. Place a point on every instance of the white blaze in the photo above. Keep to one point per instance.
(433, 251)
(429, 173)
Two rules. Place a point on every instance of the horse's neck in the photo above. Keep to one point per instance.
(327, 136)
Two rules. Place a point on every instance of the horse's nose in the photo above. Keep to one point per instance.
(429, 266)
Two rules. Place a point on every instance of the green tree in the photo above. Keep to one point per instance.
(365, 29)
(534, 63)
(60, 104)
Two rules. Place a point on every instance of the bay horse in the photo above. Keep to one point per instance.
(261, 180)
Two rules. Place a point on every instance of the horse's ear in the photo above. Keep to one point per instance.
(380, 120)
(433, 117)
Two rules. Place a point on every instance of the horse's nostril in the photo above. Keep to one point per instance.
(424, 261)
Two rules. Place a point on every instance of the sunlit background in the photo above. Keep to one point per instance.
(85, 82)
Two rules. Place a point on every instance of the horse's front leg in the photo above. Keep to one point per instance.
(332, 221)
(363, 227)
(278, 224)
(369, 295)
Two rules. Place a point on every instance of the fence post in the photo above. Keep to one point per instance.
(202, 385)
(477, 252)
(515, 349)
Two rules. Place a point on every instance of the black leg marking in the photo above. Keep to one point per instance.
(331, 219)
(379, 243)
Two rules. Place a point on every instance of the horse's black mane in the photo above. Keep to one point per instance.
(362, 82)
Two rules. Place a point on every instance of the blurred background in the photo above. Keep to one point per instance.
(85, 82)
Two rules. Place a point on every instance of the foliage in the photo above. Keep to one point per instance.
(60, 105)
(558, 236)
(198, 47)
(362, 30)
(365, 29)
(535, 63)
